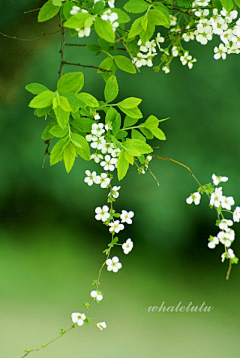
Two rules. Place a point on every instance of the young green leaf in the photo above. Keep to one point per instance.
(158, 133)
(123, 18)
(111, 89)
(104, 29)
(128, 122)
(40, 112)
(42, 100)
(136, 6)
(36, 88)
(136, 28)
(131, 112)
(124, 64)
(116, 125)
(130, 102)
(64, 104)
(122, 166)
(136, 147)
(62, 116)
(158, 17)
(88, 100)
(129, 158)
(137, 135)
(69, 155)
(57, 2)
(77, 21)
(48, 11)
(58, 132)
(71, 82)
(73, 100)
(98, 6)
(57, 151)
(66, 8)
(46, 135)
(82, 124)
(151, 123)
(81, 146)
(227, 4)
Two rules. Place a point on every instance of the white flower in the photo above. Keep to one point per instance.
(224, 224)
(166, 69)
(111, 3)
(98, 143)
(91, 178)
(114, 192)
(220, 52)
(216, 197)
(175, 51)
(216, 180)
(75, 10)
(116, 226)
(109, 163)
(113, 264)
(214, 241)
(102, 213)
(97, 117)
(104, 180)
(194, 198)
(96, 157)
(127, 246)
(159, 39)
(98, 129)
(226, 238)
(78, 318)
(236, 214)
(228, 255)
(101, 325)
(227, 202)
(126, 217)
(97, 295)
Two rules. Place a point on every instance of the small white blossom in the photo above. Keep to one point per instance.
(114, 192)
(127, 246)
(228, 255)
(104, 181)
(98, 143)
(214, 241)
(227, 202)
(216, 197)
(194, 198)
(102, 213)
(115, 226)
(78, 318)
(220, 52)
(224, 224)
(113, 264)
(218, 179)
(97, 295)
(101, 325)
(236, 214)
(96, 157)
(97, 129)
(109, 163)
(97, 117)
(126, 217)
(91, 178)
(75, 10)
(226, 238)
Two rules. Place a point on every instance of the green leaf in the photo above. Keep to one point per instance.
(57, 2)
(69, 156)
(40, 112)
(58, 132)
(227, 4)
(136, 28)
(136, 147)
(98, 6)
(237, 2)
(66, 8)
(57, 151)
(71, 82)
(36, 88)
(158, 133)
(111, 89)
(148, 134)
(104, 29)
(111, 116)
(82, 124)
(48, 11)
(130, 102)
(92, 47)
(158, 17)
(144, 22)
(88, 100)
(128, 122)
(62, 116)
(151, 123)
(136, 6)
(131, 112)
(42, 100)
(137, 135)
(77, 21)
(123, 18)
(116, 124)
(129, 158)
(64, 104)
(81, 146)
(121, 135)
(125, 64)
(46, 135)
(122, 166)
(109, 65)
(164, 10)
(73, 100)
(146, 35)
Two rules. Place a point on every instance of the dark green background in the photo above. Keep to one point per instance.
(51, 246)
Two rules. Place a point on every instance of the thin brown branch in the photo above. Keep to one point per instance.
(85, 66)
(33, 39)
(48, 142)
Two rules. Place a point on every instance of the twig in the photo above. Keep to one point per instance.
(33, 39)
(86, 66)
(27, 12)
(48, 142)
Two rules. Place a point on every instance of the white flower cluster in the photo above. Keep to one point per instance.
(212, 22)
(108, 15)
(226, 235)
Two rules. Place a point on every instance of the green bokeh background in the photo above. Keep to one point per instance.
(51, 246)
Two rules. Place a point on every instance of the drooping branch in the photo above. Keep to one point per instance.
(33, 39)
(85, 66)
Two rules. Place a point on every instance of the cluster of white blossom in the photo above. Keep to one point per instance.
(222, 204)
(108, 15)
(211, 22)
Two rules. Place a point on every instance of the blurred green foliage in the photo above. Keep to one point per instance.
(51, 245)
